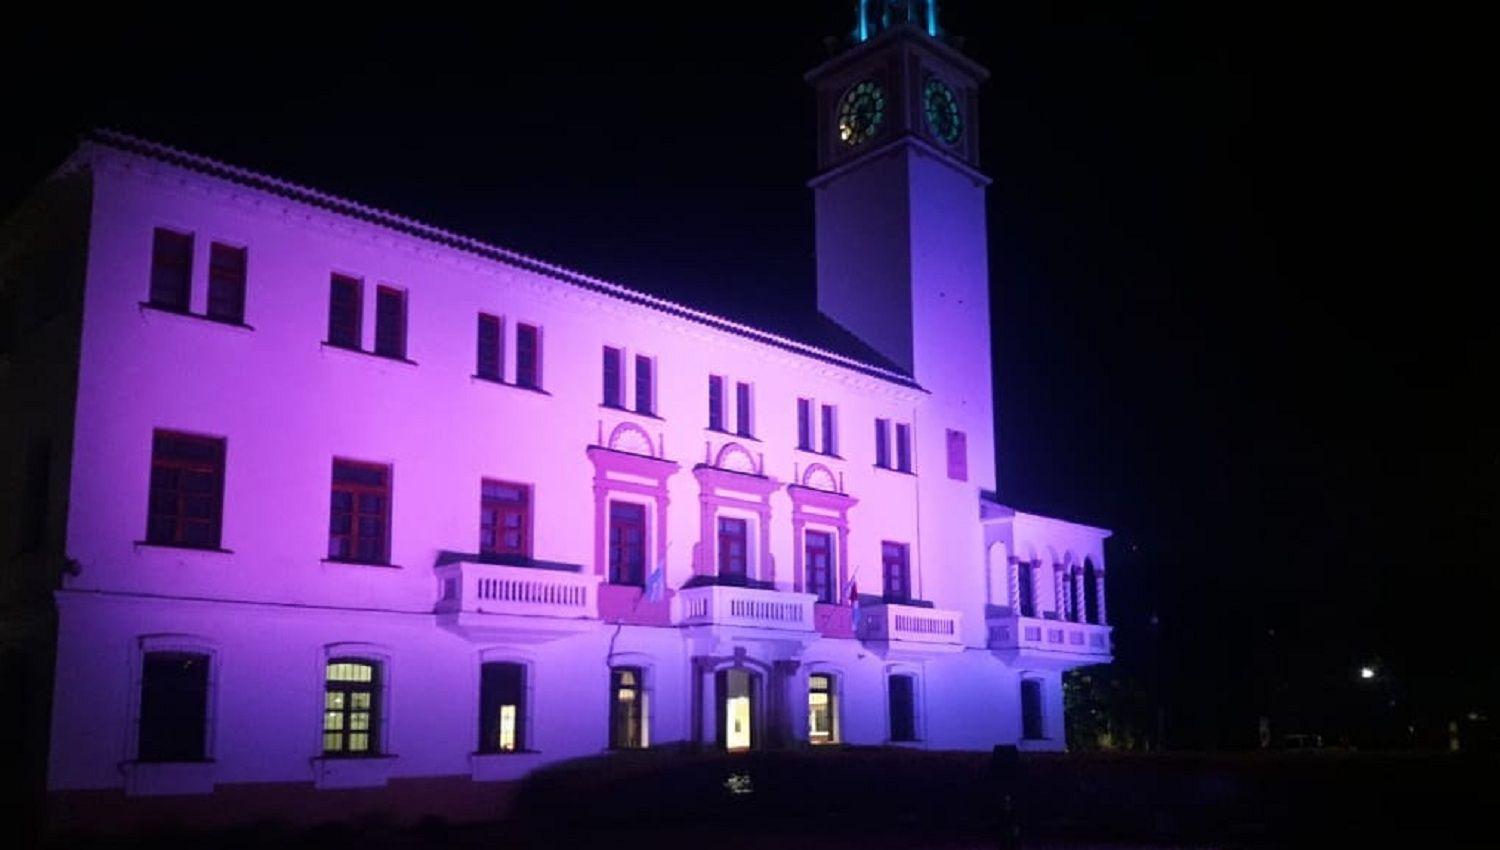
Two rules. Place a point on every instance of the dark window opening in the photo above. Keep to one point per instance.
(1026, 587)
(830, 430)
(351, 708)
(883, 443)
(487, 363)
(612, 388)
(528, 357)
(359, 524)
(903, 447)
(174, 707)
(390, 322)
(742, 409)
(627, 709)
(502, 707)
(804, 425)
(645, 400)
(627, 543)
(504, 518)
(1032, 727)
(1090, 592)
(171, 270)
(226, 283)
(715, 403)
(903, 697)
(345, 305)
(187, 490)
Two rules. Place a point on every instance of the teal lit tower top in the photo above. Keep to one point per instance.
(873, 17)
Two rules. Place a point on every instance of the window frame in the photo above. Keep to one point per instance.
(529, 356)
(883, 443)
(1037, 720)
(356, 489)
(352, 323)
(641, 707)
(723, 554)
(913, 719)
(804, 424)
(717, 408)
(203, 751)
(614, 569)
(153, 291)
(744, 409)
(829, 594)
(832, 691)
(903, 447)
(236, 277)
(522, 732)
(393, 349)
(494, 348)
(828, 429)
(903, 563)
(375, 715)
(645, 388)
(487, 504)
(614, 384)
(182, 466)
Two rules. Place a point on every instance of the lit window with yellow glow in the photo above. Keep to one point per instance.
(502, 707)
(350, 708)
(627, 709)
(821, 718)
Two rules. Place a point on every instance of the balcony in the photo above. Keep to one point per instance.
(481, 597)
(911, 626)
(751, 607)
(1054, 644)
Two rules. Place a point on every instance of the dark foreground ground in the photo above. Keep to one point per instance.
(875, 799)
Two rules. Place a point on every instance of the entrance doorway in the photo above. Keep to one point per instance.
(739, 704)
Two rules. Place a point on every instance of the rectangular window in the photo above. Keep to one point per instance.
(903, 447)
(504, 518)
(174, 707)
(821, 710)
(488, 360)
(830, 430)
(528, 356)
(883, 443)
(502, 707)
(715, 403)
(171, 269)
(226, 283)
(613, 391)
(627, 543)
(958, 455)
(1026, 587)
(817, 559)
(351, 707)
(359, 521)
(733, 539)
(895, 571)
(645, 397)
(1032, 727)
(345, 305)
(627, 709)
(804, 425)
(390, 322)
(742, 418)
(903, 694)
(187, 490)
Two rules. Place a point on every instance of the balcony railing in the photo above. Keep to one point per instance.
(746, 606)
(479, 588)
(889, 621)
(1052, 636)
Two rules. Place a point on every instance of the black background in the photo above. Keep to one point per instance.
(1232, 258)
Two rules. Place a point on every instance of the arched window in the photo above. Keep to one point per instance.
(1026, 587)
(351, 707)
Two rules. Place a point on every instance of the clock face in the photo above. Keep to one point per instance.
(861, 112)
(943, 115)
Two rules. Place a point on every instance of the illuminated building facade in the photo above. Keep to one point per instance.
(350, 502)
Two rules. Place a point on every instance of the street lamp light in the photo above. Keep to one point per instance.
(1367, 672)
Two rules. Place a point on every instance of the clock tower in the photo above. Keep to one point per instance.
(900, 215)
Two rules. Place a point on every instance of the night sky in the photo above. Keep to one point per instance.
(1230, 289)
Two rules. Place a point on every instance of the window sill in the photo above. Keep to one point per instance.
(352, 771)
(816, 453)
(181, 547)
(159, 778)
(895, 470)
(501, 383)
(722, 433)
(344, 562)
(502, 767)
(149, 309)
(385, 358)
(633, 412)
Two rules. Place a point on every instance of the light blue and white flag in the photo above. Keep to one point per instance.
(656, 583)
